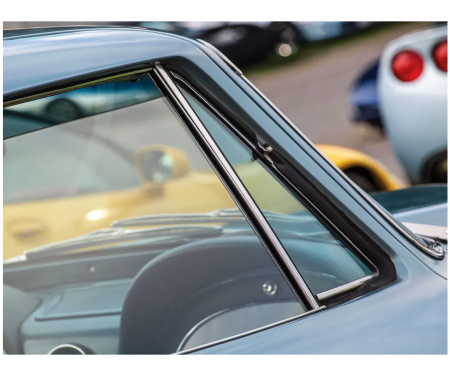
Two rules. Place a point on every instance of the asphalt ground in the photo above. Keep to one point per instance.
(313, 93)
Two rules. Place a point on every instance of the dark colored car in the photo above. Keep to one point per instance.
(364, 98)
(265, 246)
(244, 43)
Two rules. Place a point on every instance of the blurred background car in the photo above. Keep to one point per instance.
(364, 98)
(413, 102)
(244, 43)
(248, 43)
(318, 31)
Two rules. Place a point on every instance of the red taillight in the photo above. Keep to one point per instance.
(407, 66)
(440, 55)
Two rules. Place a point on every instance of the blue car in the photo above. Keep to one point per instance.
(268, 249)
(364, 99)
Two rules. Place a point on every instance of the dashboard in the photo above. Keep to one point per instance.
(86, 314)
(78, 304)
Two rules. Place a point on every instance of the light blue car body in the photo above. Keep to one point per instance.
(408, 316)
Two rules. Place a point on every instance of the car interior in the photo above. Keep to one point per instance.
(188, 270)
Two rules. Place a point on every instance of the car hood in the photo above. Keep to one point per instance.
(425, 209)
(420, 205)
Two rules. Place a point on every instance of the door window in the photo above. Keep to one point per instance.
(114, 210)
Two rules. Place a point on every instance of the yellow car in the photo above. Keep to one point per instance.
(50, 214)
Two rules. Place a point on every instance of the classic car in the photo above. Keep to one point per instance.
(413, 102)
(293, 257)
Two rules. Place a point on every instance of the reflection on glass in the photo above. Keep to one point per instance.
(73, 105)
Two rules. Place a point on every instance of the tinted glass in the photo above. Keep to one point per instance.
(123, 238)
(322, 259)
(72, 105)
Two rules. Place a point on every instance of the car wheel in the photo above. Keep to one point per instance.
(435, 169)
(439, 172)
(378, 125)
(364, 182)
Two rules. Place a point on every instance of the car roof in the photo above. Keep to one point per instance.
(39, 59)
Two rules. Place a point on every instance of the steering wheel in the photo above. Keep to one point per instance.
(183, 286)
(180, 288)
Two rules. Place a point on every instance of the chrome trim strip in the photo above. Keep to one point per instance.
(74, 87)
(437, 252)
(248, 333)
(343, 288)
(173, 89)
(249, 144)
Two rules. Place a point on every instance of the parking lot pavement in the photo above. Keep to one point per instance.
(313, 93)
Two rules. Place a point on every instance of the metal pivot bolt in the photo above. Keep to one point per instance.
(266, 149)
(270, 288)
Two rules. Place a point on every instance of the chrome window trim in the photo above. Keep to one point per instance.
(436, 251)
(45, 94)
(248, 333)
(202, 131)
(344, 288)
(326, 294)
